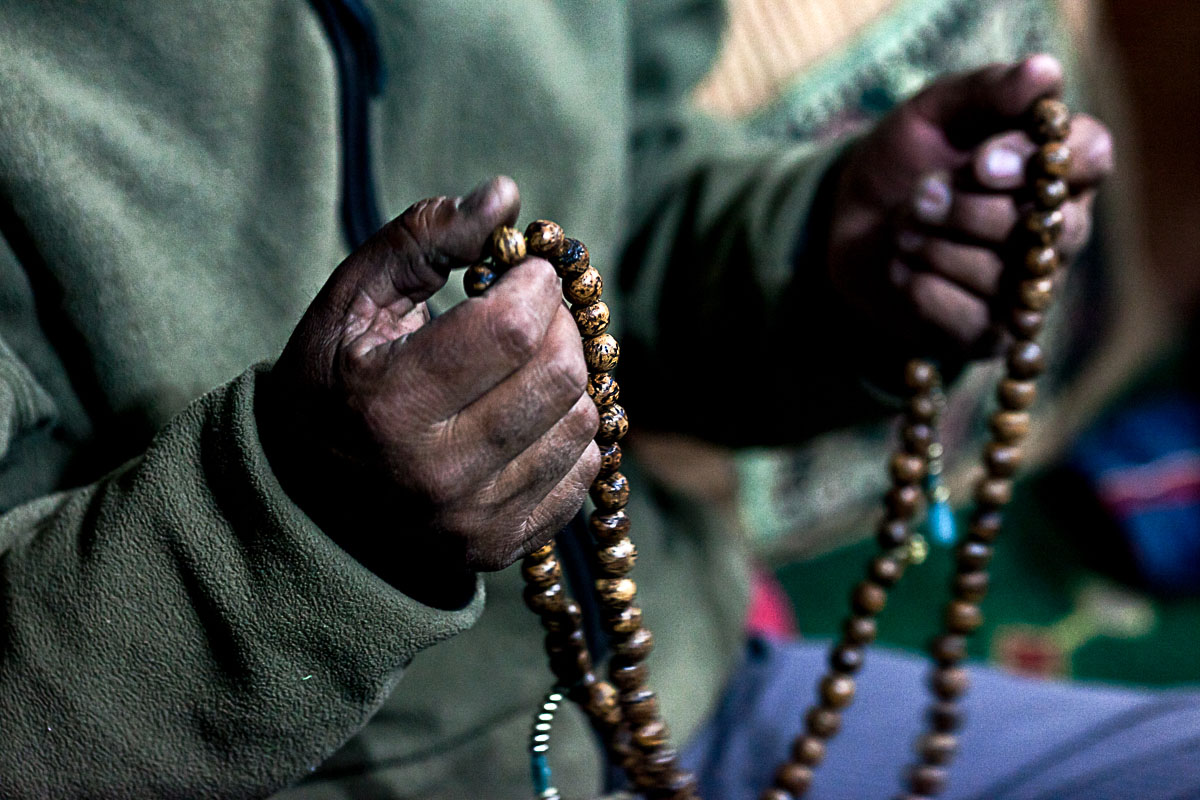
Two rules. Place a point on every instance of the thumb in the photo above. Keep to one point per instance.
(970, 107)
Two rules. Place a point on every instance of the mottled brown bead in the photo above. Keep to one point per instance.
(640, 706)
(892, 533)
(794, 778)
(1010, 427)
(616, 592)
(917, 438)
(822, 722)
(859, 630)
(543, 552)
(885, 570)
(569, 641)
(659, 760)
(903, 501)
(1025, 360)
(1053, 158)
(1036, 294)
(1002, 460)
(651, 735)
(478, 278)
(541, 572)
(628, 677)
(837, 691)
(927, 779)
(937, 748)
(544, 238)
(1045, 226)
(610, 458)
(608, 527)
(775, 793)
(568, 664)
(808, 750)
(1016, 395)
(614, 424)
(963, 617)
(611, 492)
(907, 468)
(636, 646)
(618, 558)
(508, 246)
(545, 599)
(920, 376)
(949, 683)
(1050, 192)
(985, 524)
(869, 598)
(971, 586)
(592, 319)
(974, 556)
(626, 620)
(1026, 324)
(945, 716)
(567, 619)
(993, 492)
(603, 389)
(601, 353)
(585, 288)
(922, 407)
(602, 698)
(846, 659)
(573, 259)
(1051, 120)
(1041, 261)
(948, 649)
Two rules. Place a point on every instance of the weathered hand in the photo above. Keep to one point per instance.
(432, 449)
(926, 205)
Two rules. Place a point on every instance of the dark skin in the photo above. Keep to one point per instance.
(432, 450)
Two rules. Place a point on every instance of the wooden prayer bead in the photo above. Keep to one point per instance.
(544, 238)
(1041, 261)
(602, 698)
(985, 525)
(545, 599)
(610, 493)
(993, 492)
(567, 664)
(573, 259)
(963, 617)
(869, 598)
(610, 458)
(927, 779)
(1036, 293)
(892, 533)
(949, 683)
(1016, 395)
(603, 388)
(1026, 324)
(628, 677)
(616, 592)
(907, 468)
(566, 619)
(903, 501)
(822, 722)
(1010, 427)
(636, 646)
(846, 659)
(1002, 460)
(971, 586)
(837, 691)
(478, 278)
(601, 353)
(565, 642)
(592, 319)
(859, 630)
(794, 778)
(1050, 192)
(775, 794)
(917, 438)
(640, 707)
(627, 620)
(973, 556)
(920, 376)
(541, 572)
(885, 571)
(1045, 226)
(614, 424)
(585, 288)
(1026, 360)
(945, 716)
(543, 552)
(1051, 120)
(617, 559)
(609, 526)
(651, 735)
(1052, 158)
(937, 748)
(508, 246)
(922, 408)
(808, 750)
(948, 649)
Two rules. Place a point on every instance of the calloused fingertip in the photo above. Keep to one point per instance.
(496, 197)
(1044, 69)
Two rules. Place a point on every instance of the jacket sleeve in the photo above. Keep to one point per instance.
(727, 303)
(180, 628)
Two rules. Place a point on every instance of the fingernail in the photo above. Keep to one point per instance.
(1002, 163)
(932, 202)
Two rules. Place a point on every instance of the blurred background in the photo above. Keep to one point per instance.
(1098, 572)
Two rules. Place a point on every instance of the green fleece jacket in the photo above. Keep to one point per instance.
(172, 624)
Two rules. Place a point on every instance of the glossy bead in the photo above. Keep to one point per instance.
(892, 533)
(922, 407)
(949, 683)
(508, 246)
(1036, 294)
(628, 677)
(985, 525)
(837, 691)
(603, 388)
(948, 649)
(602, 698)
(917, 438)
(543, 552)
(794, 778)
(885, 571)
(1026, 324)
(808, 750)
(541, 572)
(907, 468)
(1016, 395)
(618, 558)
(973, 556)
(1053, 158)
(846, 659)
(993, 492)
(775, 793)
(616, 592)
(544, 238)
(567, 664)
(573, 259)
(963, 617)
(822, 722)
(601, 353)
(927, 779)
(614, 424)
(1050, 192)
(1026, 360)
(651, 735)
(945, 716)
(1002, 460)
(869, 598)
(1045, 226)
(971, 586)
(585, 288)
(1041, 261)
(608, 527)
(610, 458)
(640, 707)
(920, 376)
(611, 492)
(937, 748)
(903, 501)
(565, 620)
(545, 599)
(636, 646)
(1051, 120)
(478, 278)
(1010, 427)
(592, 319)
(859, 630)
(626, 620)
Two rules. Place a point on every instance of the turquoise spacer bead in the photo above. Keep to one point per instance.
(539, 767)
(943, 529)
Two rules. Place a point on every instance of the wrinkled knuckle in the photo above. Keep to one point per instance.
(516, 332)
(567, 373)
(583, 420)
